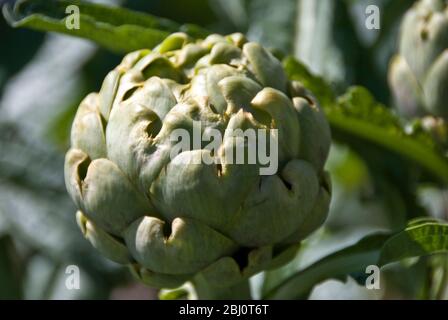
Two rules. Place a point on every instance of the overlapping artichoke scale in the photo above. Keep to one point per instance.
(87, 130)
(227, 271)
(237, 39)
(276, 206)
(156, 153)
(187, 247)
(108, 245)
(156, 64)
(203, 191)
(267, 69)
(224, 53)
(108, 91)
(129, 82)
(111, 82)
(217, 50)
(317, 216)
(284, 119)
(158, 280)
(188, 55)
(103, 192)
(204, 88)
(238, 92)
(174, 41)
(155, 94)
(189, 115)
(130, 138)
(314, 132)
(436, 86)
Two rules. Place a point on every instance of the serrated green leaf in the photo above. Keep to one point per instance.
(117, 29)
(317, 85)
(356, 118)
(358, 114)
(421, 238)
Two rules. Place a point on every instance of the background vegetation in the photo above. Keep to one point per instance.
(386, 170)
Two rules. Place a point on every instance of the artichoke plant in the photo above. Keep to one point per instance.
(172, 219)
(419, 73)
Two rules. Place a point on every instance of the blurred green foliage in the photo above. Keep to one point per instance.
(374, 189)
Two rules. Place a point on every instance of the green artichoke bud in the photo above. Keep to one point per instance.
(418, 75)
(171, 218)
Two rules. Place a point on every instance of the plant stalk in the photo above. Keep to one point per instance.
(207, 291)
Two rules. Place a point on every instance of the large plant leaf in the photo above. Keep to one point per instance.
(115, 28)
(358, 114)
(369, 127)
(421, 238)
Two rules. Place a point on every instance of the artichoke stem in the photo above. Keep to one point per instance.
(206, 291)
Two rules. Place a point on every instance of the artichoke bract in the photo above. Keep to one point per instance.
(418, 75)
(171, 218)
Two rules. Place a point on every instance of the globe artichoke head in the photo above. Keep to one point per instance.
(418, 75)
(173, 213)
